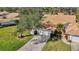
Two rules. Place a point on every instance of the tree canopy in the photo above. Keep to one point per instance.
(29, 18)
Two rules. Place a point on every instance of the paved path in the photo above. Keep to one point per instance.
(35, 44)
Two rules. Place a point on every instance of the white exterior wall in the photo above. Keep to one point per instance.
(70, 37)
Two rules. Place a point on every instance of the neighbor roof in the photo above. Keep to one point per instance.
(4, 12)
(12, 15)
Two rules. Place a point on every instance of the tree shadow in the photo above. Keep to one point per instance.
(23, 36)
(52, 39)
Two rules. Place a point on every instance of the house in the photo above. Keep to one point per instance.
(7, 18)
(3, 14)
(69, 21)
(59, 19)
(53, 20)
(12, 15)
(73, 32)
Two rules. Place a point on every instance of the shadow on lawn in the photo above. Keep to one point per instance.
(6, 26)
(52, 39)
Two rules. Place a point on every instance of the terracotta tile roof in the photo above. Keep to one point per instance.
(73, 29)
(60, 18)
(74, 32)
(4, 12)
(12, 15)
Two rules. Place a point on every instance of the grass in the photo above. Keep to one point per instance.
(56, 46)
(10, 42)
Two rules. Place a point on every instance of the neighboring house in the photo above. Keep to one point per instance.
(3, 14)
(7, 18)
(12, 15)
(69, 21)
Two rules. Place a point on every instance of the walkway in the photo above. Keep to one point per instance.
(35, 44)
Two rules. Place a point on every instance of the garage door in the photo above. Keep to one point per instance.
(75, 38)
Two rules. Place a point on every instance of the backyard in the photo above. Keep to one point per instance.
(9, 41)
(56, 46)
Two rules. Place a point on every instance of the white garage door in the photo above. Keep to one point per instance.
(75, 38)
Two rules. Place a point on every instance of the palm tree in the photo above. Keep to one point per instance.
(77, 14)
(59, 30)
(60, 27)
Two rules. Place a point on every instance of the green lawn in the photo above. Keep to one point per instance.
(10, 42)
(56, 46)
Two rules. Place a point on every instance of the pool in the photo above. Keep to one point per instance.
(75, 38)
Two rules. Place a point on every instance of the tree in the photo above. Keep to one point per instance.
(1, 9)
(9, 9)
(22, 25)
(60, 26)
(57, 34)
(77, 13)
(59, 30)
(28, 20)
(36, 16)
